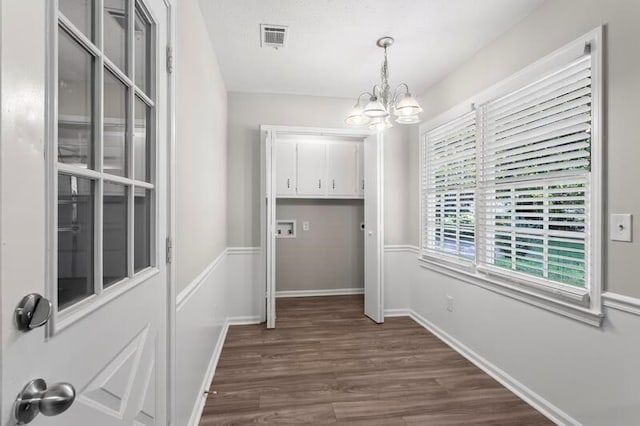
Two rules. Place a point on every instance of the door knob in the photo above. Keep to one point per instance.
(36, 398)
(33, 311)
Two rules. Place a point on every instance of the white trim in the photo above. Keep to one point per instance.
(406, 248)
(243, 250)
(545, 407)
(198, 408)
(194, 420)
(268, 136)
(550, 303)
(318, 131)
(248, 320)
(315, 293)
(621, 302)
(397, 313)
(183, 297)
(550, 297)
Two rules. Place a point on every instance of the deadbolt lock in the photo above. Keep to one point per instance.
(33, 311)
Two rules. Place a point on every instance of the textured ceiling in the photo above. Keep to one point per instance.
(331, 49)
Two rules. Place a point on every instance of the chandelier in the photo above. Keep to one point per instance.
(377, 111)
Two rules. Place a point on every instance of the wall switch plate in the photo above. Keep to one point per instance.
(449, 303)
(620, 227)
(305, 226)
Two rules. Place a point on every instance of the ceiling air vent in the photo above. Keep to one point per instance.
(273, 36)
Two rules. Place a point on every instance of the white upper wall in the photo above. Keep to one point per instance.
(554, 24)
(331, 47)
(201, 147)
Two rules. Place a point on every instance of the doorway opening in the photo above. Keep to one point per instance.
(322, 216)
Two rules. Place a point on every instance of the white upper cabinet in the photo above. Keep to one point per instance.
(311, 168)
(319, 169)
(341, 169)
(360, 181)
(286, 168)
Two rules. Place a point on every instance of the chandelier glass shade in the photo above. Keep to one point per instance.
(377, 110)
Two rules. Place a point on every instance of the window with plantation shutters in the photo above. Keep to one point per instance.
(535, 178)
(511, 185)
(448, 187)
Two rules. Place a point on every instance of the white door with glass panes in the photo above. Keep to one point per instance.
(311, 168)
(341, 169)
(83, 191)
(285, 168)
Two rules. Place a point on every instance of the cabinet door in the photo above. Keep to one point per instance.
(311, 168)
(360, 181)
(341, 169)
(285, 168)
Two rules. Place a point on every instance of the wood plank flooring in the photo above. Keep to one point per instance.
(326, 363)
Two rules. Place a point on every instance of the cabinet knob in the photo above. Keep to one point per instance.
(319, 183)
(334, 184)
(288, 183)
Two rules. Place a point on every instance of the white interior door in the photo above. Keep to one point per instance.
(269, 223)
(83, 191)
(374, 234)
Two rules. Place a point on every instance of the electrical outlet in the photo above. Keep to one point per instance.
(449, 303)
(305, 226)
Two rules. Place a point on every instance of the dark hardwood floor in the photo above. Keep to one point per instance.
(326, 363)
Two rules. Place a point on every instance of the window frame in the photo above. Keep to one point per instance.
(94, 46)
(583, 304)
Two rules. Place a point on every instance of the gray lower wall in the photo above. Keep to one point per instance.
(330, 255)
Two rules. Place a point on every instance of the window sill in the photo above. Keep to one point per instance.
(525, 294)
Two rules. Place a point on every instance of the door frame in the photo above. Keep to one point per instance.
(268, 133)
(51, 49)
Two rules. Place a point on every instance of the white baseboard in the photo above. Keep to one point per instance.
(313, 293)
(194, 420)
(244, 320)
(397, 313)
(547, 409)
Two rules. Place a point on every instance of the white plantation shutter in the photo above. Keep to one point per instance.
(448, 188)
(534, 171)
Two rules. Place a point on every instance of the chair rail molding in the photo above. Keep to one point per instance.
(621, 302)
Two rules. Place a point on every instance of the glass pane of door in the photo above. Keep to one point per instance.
(142, 50)
(142, 229)
(114, 234)
(75, 103)
(141, 141)
(115, 125)
(116, 30)
(75, 239)
(81, 15)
